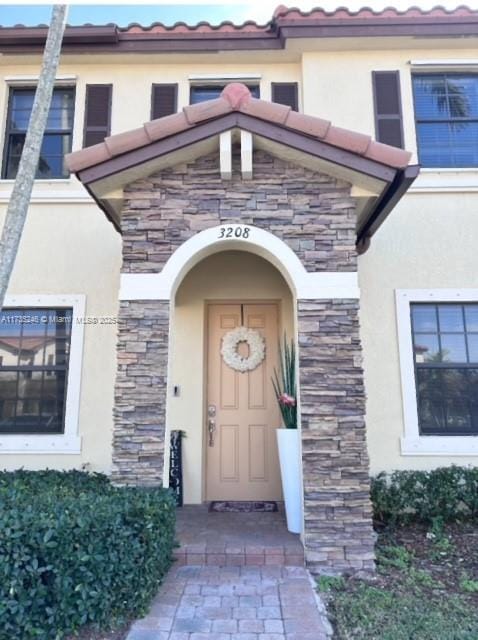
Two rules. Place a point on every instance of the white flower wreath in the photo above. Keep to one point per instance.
(230, 343)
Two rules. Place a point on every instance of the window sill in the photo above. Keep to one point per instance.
(40, 444)
(440, 446)
(446, 180)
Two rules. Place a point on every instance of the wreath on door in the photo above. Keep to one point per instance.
(232, 357)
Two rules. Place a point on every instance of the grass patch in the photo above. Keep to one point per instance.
(426, 588)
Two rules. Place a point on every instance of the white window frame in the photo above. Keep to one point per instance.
(68, 442)
(412, 442)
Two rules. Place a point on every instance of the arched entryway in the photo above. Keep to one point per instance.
(238, 460)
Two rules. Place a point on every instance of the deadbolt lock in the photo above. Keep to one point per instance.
(211, 410)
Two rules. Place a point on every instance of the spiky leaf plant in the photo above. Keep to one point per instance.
(284, 383)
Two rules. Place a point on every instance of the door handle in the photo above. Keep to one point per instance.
(211, 427)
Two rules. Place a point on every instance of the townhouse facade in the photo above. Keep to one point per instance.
(315, 177)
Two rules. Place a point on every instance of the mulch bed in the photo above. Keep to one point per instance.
(90, 634)
(446, 562)
(425, 588)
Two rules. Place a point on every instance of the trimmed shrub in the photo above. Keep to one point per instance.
(75, 551)
(446, 494)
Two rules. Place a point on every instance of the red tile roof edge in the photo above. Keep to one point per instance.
(368, 12)
(237, 97)
(282, 14)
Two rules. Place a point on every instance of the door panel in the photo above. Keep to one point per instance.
(242, 463)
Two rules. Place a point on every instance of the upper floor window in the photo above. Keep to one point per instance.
(445, 345)
(446, 113)
(34, 356)
(58, 133)
(200, 93)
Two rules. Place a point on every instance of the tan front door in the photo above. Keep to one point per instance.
(241, 459)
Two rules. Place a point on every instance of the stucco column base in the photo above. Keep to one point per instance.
(140, 393)
(338, 532)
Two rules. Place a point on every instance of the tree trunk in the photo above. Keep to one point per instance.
(22, 188)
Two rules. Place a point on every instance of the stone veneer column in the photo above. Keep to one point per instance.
(315, 216)
(338, 517)
(140, 392)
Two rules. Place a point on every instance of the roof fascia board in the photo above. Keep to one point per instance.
(387, 202)
(160, 148)
(298, 141)
(316, 148)
(417, 30)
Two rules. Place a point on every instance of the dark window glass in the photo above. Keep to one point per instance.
(201, 93)
(445, 343)
(58, 134)
(446, 113)
(34, 353)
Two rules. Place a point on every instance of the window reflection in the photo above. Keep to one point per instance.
(446, 111)
(34, 351)
(56, 140)
(445, 339)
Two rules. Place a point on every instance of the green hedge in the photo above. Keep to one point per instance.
(446, 494)
(76, 551)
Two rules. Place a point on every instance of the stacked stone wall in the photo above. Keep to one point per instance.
(315, 216)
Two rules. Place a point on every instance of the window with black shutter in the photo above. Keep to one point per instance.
(286, 93)
(97, 113)
(388, 107)
(164, 100)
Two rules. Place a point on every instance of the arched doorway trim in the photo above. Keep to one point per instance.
(242, 237)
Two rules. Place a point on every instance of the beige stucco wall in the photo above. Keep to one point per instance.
(74, 250)
(428, 242)
(69, 247)
(233, 275)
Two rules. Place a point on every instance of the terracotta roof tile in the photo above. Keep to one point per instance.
(343, 13)
(123, 142)
(264, 110)
(206, 110)
(309, 125)
(87, 157)
(237, 97)
(282, 14)
(236, 93)
(386, 154)
(354, 142)
(167, 126)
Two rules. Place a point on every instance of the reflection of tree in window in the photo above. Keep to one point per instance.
(58, 133)
(33, 370)
(453, 100)
(446, 111)
(446, 378)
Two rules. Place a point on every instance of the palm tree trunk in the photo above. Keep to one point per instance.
(22, 188)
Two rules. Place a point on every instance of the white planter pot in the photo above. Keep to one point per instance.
(291, 468)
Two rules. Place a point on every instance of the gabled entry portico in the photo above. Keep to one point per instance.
(310, 189)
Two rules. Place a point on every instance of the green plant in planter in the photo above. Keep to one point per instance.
(284, 384)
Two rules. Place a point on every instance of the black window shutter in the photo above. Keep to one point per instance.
(388, 107)
(97, 113)
(164, 100)
(286, 93)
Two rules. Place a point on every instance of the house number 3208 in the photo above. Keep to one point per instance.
(234, 232)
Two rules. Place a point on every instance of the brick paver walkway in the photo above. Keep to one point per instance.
(234, 603)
